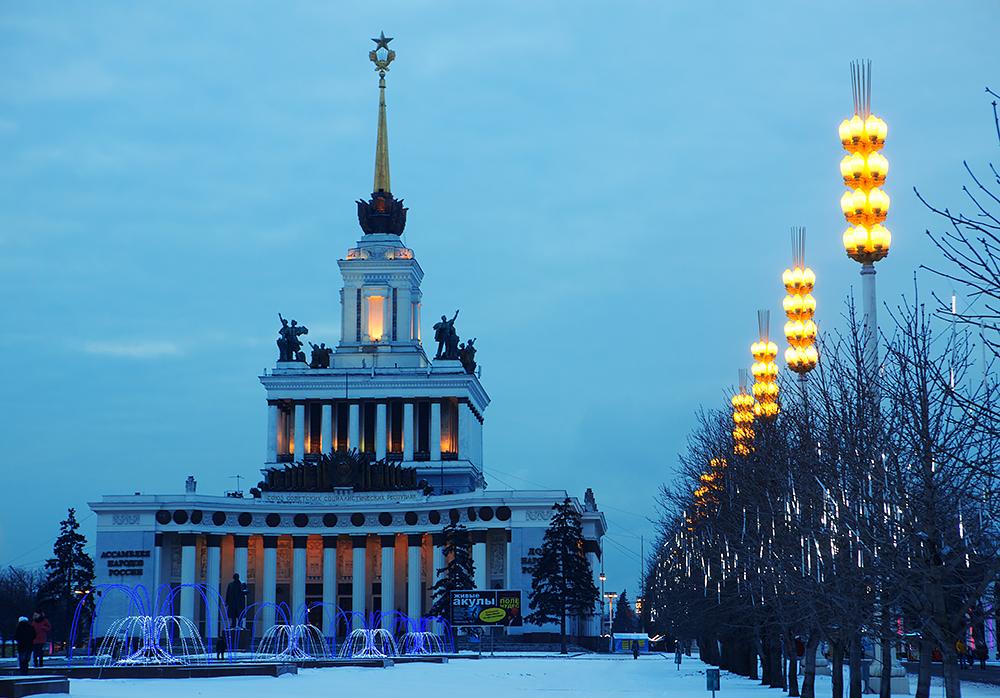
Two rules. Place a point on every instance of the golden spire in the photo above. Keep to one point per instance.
(382, 56)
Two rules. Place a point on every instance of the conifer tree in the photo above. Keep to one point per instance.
(625, 620)
(459, 571)
(562, 582)
(69, 578)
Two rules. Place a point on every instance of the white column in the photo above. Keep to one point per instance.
(271, 450)
(388, 582)
(479, 558)
(213, 580)
(380, 433)
(270, 582)
(240, 558)
(413, 605)
(326, 434)
(329, 585)
(408, 431)
(508, 564)
(354, 426)
(157, 563)
(435, 431)
(358, 582)
(187, 575)
(465, 419)
(300, 431)
(299, 614)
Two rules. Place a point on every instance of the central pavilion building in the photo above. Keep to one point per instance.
(368, 453)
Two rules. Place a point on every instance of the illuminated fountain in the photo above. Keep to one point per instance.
(366, 643)
(292, 643)
(367, 638)
(420, 640)
(136, 640)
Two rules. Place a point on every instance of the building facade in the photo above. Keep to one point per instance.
(370, 450)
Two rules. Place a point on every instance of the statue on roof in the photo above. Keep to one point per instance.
(446, 337)
(467, 355)
(289, 344)
(320, 355)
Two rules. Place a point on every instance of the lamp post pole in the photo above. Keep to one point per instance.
(602, 578)
(870, 316)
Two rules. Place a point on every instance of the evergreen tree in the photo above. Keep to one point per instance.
(69, 578)
(625, 620)
(459, 571)
(562, 582)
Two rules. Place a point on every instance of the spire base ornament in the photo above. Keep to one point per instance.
(382, 214)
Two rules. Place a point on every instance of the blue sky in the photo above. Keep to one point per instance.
(604, 189)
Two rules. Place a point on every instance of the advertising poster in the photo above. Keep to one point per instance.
(486, 608)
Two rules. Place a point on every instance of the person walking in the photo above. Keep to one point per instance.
(960, 650)
(24, 636)
(635, 649)
(42, 628)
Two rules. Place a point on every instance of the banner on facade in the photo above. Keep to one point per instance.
(486, 608)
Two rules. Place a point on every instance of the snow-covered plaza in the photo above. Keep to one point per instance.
(544, 675)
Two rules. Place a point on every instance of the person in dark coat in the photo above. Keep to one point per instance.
(236, 603)
(42, 628)
(24, 636)
(236, 599)
(635, 649)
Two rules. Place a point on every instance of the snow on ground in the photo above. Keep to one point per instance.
(542, 675)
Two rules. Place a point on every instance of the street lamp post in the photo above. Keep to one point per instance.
(611, 596)
(602, 578)
(765, 371)
(865, 205)
(800, 307)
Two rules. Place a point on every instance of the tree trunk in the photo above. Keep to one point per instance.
(854, 658)
(765, 658)
(562, 633)
(752, 661)
(777, 665)
(793, 674)
(949, 669)
(924, 670)
(885, 682)
(837, 666)
(809, 667)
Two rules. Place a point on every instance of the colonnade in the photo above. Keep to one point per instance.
(459, 434)
(213, 571)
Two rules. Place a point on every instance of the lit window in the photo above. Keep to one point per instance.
(376, 319)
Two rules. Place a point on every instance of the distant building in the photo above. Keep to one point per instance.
(368, 455)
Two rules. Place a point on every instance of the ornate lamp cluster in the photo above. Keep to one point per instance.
(864, 170)
(743, 433)
(765, 370)
(800, 306)
(706, 494)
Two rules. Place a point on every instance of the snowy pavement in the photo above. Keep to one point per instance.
(542, 675)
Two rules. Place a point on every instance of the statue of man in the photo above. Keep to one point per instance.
(284, 333)
(467, 355)
(443, 332)
(317, 357)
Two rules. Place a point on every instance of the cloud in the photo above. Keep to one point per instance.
(133, 349)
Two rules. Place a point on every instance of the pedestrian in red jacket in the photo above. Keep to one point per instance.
(42, 628)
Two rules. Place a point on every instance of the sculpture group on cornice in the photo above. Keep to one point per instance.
(448, 345)
(340, 469)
